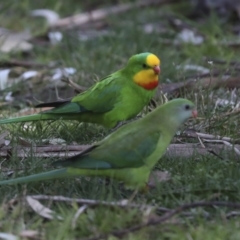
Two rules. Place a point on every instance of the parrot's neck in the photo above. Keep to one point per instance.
(147, 79)
(163, 120)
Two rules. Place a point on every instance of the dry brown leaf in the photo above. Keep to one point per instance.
(3, 142)
(14, 41)
(48, 14)
(7, 236)
(23, 142)
(40, 209)
(77, 214)
(30, 234)
(158, 176)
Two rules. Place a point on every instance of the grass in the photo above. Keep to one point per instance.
(196, 178)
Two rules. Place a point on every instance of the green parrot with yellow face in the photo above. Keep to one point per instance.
(128, 154)
(118, 97)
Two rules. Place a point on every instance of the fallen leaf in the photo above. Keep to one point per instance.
(55, 37)
(8, 236)
(28, 74)
(4, 78)
(189, 36)
(48, 14)
(2, 138)
(31, 234)
(196, 68)
(8, 97)
(40, 209)
(158, 176)
(54, 141)
(23, 142)
(77, 214)
(14, 41)
(59, 73)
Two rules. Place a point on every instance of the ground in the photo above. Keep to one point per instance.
(193, 178)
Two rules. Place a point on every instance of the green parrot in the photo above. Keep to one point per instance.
(118, 97)
(129, 153)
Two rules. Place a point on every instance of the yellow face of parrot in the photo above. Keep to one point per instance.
(149, 75)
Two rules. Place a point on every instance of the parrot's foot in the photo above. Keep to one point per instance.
(145, 189)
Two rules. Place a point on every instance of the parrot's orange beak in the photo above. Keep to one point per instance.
(194, 113)
(157, 69)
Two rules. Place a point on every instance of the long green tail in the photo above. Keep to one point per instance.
(35, 117)
(58, 173)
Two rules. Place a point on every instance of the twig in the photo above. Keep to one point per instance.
(174, 150)
(232, 214)
(77, 214)
(50, 148)
(213, 73)
(201, 143)
(91, 202)
(225, 143)
(197, 82)
(166, 217)
(235, 111)
(17, 63)
(190, 133)
(189, 149)
(74, 85)
(96, 15)
(214, 139)
(222, 61)
(209, 150)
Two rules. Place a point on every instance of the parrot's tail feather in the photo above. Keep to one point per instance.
(53, 104)
(35, 117)
(58, 173)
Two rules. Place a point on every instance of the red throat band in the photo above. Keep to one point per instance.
(150, 85)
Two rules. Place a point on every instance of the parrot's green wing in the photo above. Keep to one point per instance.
(100, 98)
(103, 96)
(127, 153)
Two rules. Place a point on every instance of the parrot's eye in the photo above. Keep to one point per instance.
(187, 107)
(144, 65)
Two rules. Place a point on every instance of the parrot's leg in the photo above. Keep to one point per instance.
(133, 195)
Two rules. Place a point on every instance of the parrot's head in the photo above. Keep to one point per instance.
(145, 69)
(181, 109)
